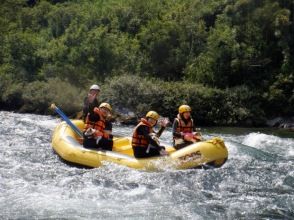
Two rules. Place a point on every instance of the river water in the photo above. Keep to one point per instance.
(257, 181)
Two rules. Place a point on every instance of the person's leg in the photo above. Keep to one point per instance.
(140, 152)
(182, 145)
(105, 144)
(89, 143)
(153, 152)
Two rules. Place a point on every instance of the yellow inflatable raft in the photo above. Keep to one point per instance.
(67, 145)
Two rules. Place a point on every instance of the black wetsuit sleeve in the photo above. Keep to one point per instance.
(89, 107)
(85, 107)
(159, 133)
(94, 117)
(108, 126)
(174, 129)
(144, 130)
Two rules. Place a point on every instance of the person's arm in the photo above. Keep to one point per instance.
(85, 108)
(197, 133)
(163, 123)
(144, 130)
(161, 149)
(92, 105)
(174, 130)
(108, 129)
(108, 126)
(89, 106)
(158, 134)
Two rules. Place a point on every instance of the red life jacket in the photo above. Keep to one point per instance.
(183, 127)
(140, 140)
(97, 125)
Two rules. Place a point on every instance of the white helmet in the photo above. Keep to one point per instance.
(95, 87)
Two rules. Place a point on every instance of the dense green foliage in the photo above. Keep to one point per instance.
(210, 105)
(231, 60)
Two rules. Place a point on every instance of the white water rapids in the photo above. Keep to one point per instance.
(257, 181)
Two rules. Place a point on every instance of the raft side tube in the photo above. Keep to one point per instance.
(68, 146)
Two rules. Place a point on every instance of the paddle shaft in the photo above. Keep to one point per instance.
(67, 120)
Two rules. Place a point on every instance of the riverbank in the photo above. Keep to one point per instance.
(286, 123)
(282, 122)
(124, 116)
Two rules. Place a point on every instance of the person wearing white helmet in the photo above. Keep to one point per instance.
(184, 131)
(91, 101)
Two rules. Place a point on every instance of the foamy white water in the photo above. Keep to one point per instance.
(270, 143)
(257, 182)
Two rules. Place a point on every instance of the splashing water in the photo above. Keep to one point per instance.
(257, 182)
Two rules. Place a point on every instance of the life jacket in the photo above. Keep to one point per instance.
(183, 127)
(140, 140)
(98, 125)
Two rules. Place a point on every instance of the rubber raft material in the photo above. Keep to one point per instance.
(69, 147)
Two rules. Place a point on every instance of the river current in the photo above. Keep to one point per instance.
(257, 181)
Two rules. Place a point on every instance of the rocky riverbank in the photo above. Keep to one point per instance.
(282, 122)
(127, 117)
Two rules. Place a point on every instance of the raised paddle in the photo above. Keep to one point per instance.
(66, 119)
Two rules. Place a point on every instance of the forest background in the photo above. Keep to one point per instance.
(230, 60)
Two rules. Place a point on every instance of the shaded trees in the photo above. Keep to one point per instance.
(226, 47)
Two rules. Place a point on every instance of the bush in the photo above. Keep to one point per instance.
(280, 96)
(210, 106)
(10, 89)
(39, 95)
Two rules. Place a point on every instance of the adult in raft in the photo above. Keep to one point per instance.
(91, 102)
(184, 131)
(95, 133)
(145, 141)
